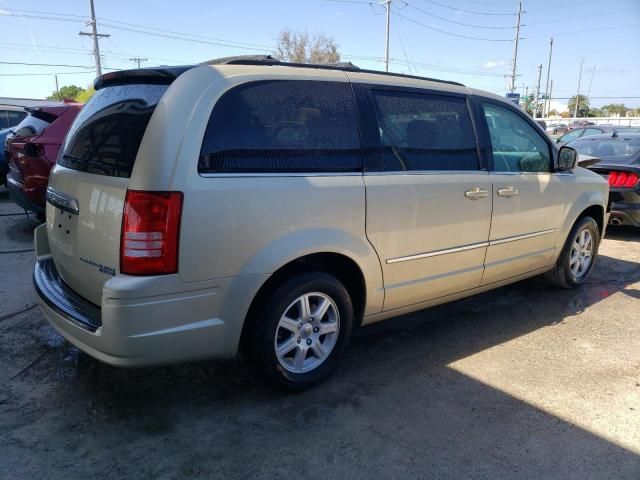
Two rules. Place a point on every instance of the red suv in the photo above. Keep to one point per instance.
(32, 149)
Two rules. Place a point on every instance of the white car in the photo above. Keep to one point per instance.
(247, 205)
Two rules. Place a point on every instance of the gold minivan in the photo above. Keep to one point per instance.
(251, 206)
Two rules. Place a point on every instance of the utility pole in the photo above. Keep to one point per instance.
(550, 93)
(138, 60)
(57, 89)
(387, 4)
(575, 113)
(514, 61)
(535, 112)
(593, 72)
(94, 33)
(546, 90)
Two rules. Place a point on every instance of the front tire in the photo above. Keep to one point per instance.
(578, 255)
(300, 331)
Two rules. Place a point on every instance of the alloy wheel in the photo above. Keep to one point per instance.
(307, 332)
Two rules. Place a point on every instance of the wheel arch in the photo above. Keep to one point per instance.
(342, 266)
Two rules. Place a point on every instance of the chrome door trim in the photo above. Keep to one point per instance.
(471, 246)
(435, 253)
(62, 201)
(522, 237)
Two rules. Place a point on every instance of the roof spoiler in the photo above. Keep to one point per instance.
(162, 75)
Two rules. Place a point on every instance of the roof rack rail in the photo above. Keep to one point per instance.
(269, 60)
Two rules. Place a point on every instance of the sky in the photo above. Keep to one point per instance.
(428, 38)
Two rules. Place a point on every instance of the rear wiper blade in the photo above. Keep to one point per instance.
(94, 163)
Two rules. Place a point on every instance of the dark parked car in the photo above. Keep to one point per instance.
(577, 133)
(620, 163)
(31, 150)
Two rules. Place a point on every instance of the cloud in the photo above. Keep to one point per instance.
(495, 63)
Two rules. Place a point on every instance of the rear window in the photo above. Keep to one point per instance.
(31, 125)
(283, 126)
(608, 148)
(105, 136)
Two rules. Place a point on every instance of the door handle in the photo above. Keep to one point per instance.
(476, 193)
(508, 192)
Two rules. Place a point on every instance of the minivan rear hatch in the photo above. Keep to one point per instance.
(88, 186)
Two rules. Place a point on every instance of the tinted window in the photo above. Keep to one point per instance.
(105, 136)
(572, 135)
(608, 148)
(15, 117)
(516, 145)
(283, 126)
(592, 131)
(424, 132)
(30, 126)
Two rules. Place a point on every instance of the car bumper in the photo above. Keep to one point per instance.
(625, 214)
(136, 331)
(16, 192)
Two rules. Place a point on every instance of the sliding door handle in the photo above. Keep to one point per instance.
(508, 192)
(476, 193)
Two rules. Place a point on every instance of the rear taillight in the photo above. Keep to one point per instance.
(150, 233)
(623, 179)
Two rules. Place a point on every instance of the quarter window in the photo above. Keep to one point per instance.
(516, 145)
(283, 126)
(424, 132)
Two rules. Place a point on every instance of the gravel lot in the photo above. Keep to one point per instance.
(523, 382)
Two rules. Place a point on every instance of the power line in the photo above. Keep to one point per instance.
(45, 64)
(617, 27)
(452, 34)
(42, 74)
(453, 21)
(467, 11)
(581, 17)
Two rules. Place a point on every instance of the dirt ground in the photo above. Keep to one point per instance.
(527, 381)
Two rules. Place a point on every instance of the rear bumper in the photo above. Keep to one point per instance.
(625, 214)
(18, 196)
(134, 331)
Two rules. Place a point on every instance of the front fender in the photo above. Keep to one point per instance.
(585, 200)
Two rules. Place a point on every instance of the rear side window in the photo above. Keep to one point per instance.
(424, 132)
(31, 125)
(105, 136)
(283, 126)
(10, 118)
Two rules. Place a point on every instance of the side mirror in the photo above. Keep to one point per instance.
(567, 159)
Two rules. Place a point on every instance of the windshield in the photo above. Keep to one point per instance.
(608, 148)
(105, 137)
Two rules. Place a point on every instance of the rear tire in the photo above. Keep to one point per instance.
(578, 255)
(299, 332)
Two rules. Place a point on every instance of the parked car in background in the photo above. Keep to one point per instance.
(31, 150)
(542, 124)
(557, 128)
(580, 124)
(619, 156)
(11, 115)
(255, 206)
(4, 165)
(593, 130)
